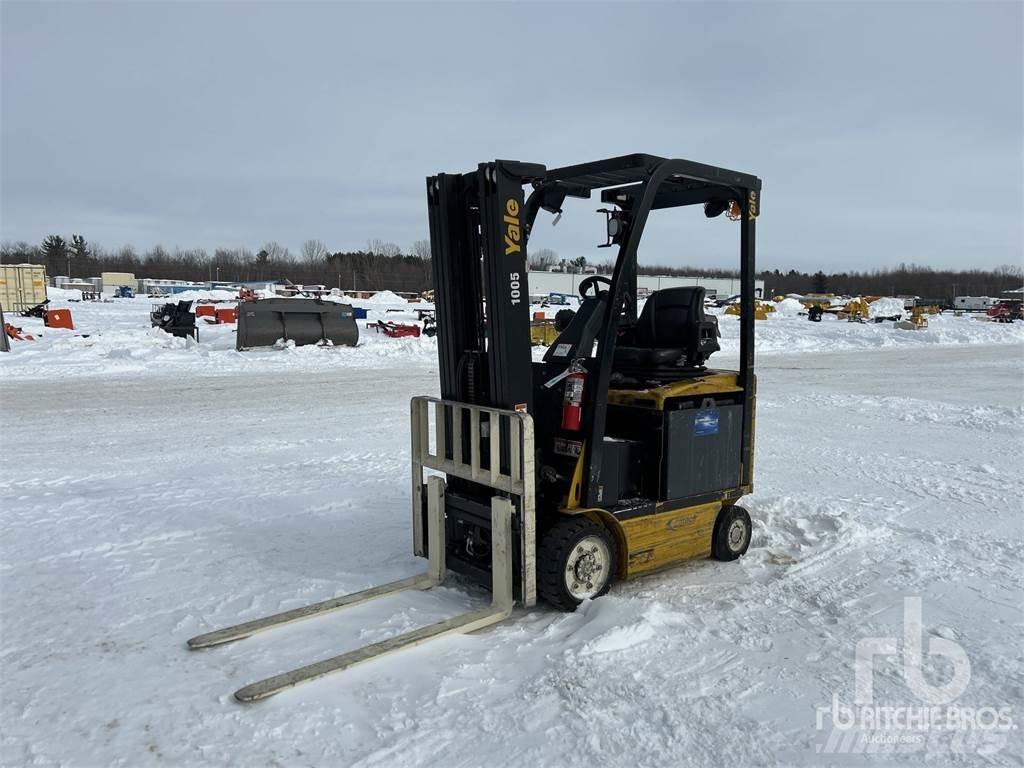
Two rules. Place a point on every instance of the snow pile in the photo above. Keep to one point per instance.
(798, 334)
(885, 307)
(57, 295)
(383, 297)
(201, 295)
(789, 308)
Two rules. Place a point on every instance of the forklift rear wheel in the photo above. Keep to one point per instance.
(732, 533)
(575, 562)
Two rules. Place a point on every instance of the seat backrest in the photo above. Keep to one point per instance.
(671, 318)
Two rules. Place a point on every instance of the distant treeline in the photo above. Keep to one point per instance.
(381, 265)
(384, 265)
(904, 280)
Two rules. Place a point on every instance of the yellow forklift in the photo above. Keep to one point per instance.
(618, 454)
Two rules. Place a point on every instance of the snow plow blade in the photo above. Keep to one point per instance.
(262, 323)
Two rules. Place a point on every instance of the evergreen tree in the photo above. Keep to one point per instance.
(55, 247)
(820, 282)
(79, 246)
(55, 250)
(262, 259)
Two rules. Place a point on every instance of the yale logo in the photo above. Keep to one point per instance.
(512, 234)
(681, 522)
(513, 245)
(752, 206)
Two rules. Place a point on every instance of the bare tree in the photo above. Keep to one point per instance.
(276, 251)
(380, 248)
(314, 252)
(543, 259)
(421, 250)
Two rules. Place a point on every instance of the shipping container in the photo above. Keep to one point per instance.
(22, 286)
(114, 280)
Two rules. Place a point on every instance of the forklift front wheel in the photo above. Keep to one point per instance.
(732, 533)
(575, 562)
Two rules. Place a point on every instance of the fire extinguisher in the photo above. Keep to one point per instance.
(572, 400)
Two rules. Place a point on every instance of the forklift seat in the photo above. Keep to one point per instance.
(672, 336)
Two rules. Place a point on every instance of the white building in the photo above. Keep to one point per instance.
(543, 283)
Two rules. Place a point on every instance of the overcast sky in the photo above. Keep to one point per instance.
(883, 132)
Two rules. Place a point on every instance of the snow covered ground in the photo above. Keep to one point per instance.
(115, 337)
(152, 490)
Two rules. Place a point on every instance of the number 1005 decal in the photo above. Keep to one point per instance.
(513, 285)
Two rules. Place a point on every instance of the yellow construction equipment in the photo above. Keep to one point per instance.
(543, 333)
(761, 310)
(855, 311)
(823, 300)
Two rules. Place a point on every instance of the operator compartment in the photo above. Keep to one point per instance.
(688, 420)
(674, 428)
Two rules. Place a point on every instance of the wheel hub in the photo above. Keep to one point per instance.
(737, 535)
(587, 568)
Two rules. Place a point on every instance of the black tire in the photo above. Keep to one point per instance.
(555, 551)
(730, 540)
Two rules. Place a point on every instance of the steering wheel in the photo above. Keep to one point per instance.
(591, 282)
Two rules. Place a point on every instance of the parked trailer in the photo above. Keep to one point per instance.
(22, 286)
(974, 303)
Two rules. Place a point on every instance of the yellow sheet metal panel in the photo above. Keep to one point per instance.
(663, 539)
(22, 286)
(572, 501)
(543, 332)
(712, 382)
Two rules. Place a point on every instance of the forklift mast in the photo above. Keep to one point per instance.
(481, 290)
